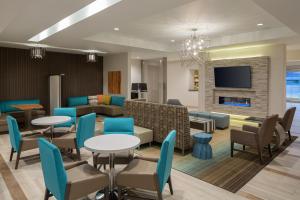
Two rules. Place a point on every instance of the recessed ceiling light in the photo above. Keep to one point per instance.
(260, 24)
(85, 12)
(116, 29)
(172, 40)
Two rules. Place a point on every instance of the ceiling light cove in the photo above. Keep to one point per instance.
(116, 29)
(85, 12)
(260, 24)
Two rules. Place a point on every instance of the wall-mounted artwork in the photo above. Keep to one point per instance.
(114, 82)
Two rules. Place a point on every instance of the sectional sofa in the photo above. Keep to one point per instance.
(100, 104)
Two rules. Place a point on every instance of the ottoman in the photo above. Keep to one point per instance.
(202, 148)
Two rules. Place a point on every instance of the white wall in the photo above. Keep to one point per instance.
(277, 83)
(117, 62)
(136, 71)
(178, 84)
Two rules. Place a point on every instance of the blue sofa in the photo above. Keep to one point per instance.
(222, 120)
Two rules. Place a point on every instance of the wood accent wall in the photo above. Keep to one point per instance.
(114, 82)
(22, 77)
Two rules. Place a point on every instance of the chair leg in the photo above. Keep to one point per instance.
(47, 194)
(11, 154)
(78, 154)
(259, 154)
(231, 150)
(119, 192)
(270, 150)
(290, 136)
(244, 147)
(106, 193)
(159, 195)
(170, 185)
(18, 158)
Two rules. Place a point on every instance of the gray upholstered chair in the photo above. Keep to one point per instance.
(256, 137)
(287, 120)
(174, 102)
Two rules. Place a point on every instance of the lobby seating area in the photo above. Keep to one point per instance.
(152, 100)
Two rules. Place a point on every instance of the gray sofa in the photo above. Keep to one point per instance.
(221, 120)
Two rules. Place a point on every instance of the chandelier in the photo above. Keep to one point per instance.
(91, 57)
(37, 52)
(194, 50)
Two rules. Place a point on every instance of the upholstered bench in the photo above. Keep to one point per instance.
(145, 135)
(221, 120)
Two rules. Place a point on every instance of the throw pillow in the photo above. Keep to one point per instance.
(106, 99)
(100, 99)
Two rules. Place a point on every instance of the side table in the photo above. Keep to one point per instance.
(202, 148)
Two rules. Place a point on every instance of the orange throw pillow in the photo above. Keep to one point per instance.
(100, 99)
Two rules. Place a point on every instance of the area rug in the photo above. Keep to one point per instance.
(223, 171)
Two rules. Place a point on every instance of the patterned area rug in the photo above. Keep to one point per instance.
(223, 171)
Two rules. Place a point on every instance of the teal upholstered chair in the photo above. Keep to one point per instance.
(20, 142)
(148, 173)
(68, 126)
(118, 126)
(85, 130)
(71, 181)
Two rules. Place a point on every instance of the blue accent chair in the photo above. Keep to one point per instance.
(148, 173)
(85, 130)
(70, 112)
(71, 181)
(118, 126)
(20, 142)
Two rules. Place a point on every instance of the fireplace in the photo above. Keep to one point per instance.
(235, 101)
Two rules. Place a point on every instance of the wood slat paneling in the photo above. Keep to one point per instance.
(24, 78)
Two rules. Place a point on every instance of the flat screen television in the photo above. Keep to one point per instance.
(143, 87)
(233, 77)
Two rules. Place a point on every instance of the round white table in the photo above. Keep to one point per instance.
(51, 121)
(111, 144)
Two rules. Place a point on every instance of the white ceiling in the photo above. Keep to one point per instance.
(147, 26)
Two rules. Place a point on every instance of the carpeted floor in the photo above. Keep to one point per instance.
(222, 171)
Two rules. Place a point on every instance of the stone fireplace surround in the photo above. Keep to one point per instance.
(258, 93)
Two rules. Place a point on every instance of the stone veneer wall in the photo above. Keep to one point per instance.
(259, 93)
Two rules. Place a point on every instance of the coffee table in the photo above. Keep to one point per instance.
(206, 125)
